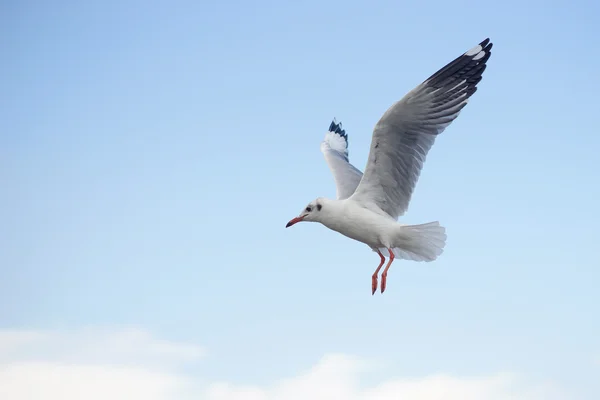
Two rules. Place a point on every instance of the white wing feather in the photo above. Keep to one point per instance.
(335, 150)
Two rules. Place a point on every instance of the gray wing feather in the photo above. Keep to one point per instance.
(407, 130)
(335, 150)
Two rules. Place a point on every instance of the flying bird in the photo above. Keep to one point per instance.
(367, 206)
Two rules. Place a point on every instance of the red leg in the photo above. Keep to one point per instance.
(385, 271)
(374, 277)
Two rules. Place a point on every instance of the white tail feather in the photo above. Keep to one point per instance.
(424, 242)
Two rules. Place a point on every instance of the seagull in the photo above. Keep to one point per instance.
(367, 206)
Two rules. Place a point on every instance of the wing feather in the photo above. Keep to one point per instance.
(335, 150)
(407, 130)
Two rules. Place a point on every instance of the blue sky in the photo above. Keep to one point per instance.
(151, 154)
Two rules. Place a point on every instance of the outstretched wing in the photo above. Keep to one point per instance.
(335, 150)
(406, 131)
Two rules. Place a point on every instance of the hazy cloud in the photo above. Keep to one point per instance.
(132, 364)
(338, 376)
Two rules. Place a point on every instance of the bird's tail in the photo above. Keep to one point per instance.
(424, 242)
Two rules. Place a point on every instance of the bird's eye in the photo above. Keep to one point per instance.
(308, 209)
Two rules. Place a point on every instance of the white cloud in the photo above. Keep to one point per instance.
(95, 346)
(337, 377)
(132, 364)
(91, 364)
(54, 381)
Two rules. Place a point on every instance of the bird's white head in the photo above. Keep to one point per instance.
(313, 212)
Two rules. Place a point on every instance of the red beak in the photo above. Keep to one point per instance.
(295, 220)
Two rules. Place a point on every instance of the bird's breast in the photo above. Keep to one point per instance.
(360, 224)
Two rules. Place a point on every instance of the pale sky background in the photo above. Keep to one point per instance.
(152, 152)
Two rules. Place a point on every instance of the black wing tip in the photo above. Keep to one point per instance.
(337, 128)
(468, 61)
(486, 45)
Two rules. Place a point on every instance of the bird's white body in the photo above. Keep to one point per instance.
(380, 231)
(353, 220)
